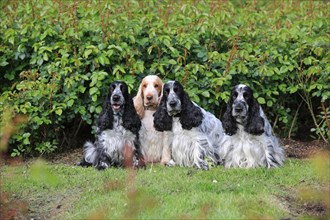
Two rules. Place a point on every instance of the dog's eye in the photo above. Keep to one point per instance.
(167, 90)
(121, 87)
(145, 86)
(245, 95)
(156, 85)
(175, 89)
(235, 95)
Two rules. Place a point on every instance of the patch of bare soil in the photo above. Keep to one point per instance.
(297, 207)
(302, 150)
(12, 208)
(71, 157)
(293, 149)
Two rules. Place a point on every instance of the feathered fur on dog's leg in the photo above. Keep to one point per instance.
(96, 156)
(90, 153)
(83, 163)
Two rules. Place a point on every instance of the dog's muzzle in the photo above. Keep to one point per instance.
(239, 110)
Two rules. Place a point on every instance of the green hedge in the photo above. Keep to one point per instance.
(57, 59)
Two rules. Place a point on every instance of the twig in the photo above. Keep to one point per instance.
(77, 130)
(308, 101)
(295, 118)
(325, 115)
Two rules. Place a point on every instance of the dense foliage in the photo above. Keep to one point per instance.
(57, 59)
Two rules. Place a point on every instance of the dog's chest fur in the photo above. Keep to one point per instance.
(188, 146)
(151, 140)
(114, 140)
(148, 120)
(245, 150)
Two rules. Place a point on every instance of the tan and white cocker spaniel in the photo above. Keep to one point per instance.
(154, 144)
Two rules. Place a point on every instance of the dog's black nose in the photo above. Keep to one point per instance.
(238, 108)
(116, 98)
(149, 97)
(173, 103)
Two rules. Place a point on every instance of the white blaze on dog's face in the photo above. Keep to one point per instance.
(241, 96)
(151, 90)
(117, 99)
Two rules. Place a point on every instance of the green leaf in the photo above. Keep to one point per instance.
(283, 69)
(94, 98)
(307, 61)
(206, 94)
(87, 53)
(59, 111)
(98, 109)
(261, 100)
(10, 76)
(201, 54)
(45, 56)
(40, 61)
(12, 40)
(70, 102)
(171, 61)
(101, 60)
(93, 90)
(81, 89)
(269, 103)
(4, 63)
(293, 89)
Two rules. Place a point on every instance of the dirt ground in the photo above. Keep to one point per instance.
(293, 149)
(302, 150)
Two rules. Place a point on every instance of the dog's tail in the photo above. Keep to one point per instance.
(90, 153)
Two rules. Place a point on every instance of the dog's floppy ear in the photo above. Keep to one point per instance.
(191, 115)
(229, 122)
(131, 120)
(138, 102)
(255, 123)
(160, 95)
(162, 121)
(105, 120)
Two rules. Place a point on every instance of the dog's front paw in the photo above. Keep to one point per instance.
(203, 165)
(171, 163)
(139, 163)
(101, 166)
(83, 163)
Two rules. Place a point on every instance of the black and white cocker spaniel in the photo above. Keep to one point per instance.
(195, 133)
(249, 140)
(117, 134)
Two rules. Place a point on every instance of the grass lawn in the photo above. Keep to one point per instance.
(41, 191)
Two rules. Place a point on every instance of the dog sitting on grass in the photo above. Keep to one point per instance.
(117, 135)
(249, 141)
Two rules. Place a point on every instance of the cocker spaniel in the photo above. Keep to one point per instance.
(154, 147)
(195, 133)
(249, 140)
(117, 132)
